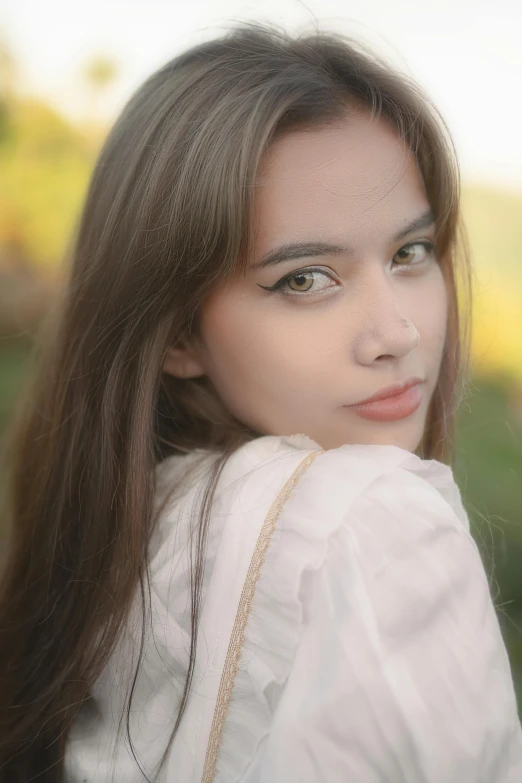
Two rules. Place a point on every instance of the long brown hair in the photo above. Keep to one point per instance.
(167, 218)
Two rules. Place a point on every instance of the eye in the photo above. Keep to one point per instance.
(299, 283)
(419, 250)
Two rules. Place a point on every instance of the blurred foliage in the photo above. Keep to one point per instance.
(45, 164)
(100, 71)
(494, 222)
(488, 471)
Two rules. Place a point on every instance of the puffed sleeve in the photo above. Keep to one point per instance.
(401, 674)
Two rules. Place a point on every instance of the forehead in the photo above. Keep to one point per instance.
(343, 179)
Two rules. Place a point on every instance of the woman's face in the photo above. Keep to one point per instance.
(354, 320)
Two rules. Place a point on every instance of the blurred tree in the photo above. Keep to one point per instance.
(45, 170)
(98, 74)
(495, 231)
(100, 71)
(8, 79)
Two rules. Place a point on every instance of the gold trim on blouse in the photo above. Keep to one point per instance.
(228, 676)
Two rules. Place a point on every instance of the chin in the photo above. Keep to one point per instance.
(397, 433)
(404, 440)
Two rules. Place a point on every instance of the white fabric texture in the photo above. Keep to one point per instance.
(372, 652)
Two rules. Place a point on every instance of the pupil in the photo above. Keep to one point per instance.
(300, 281)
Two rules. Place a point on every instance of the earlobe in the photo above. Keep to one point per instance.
(183, 363)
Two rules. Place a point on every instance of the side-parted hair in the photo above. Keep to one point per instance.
(167, 219)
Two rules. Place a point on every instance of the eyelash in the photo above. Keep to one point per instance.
(278, 287)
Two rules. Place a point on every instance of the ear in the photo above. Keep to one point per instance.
(183, 361)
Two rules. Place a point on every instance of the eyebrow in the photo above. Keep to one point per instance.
(293, 250)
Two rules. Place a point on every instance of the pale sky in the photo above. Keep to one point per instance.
(467, 54)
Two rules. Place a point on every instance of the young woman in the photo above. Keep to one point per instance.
(226, 563)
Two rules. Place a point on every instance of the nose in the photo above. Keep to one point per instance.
(387, 331)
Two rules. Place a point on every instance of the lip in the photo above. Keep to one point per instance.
(389, 391)
(391, 407)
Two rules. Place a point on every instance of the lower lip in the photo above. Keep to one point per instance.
(392, 408)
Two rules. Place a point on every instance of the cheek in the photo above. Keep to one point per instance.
(226, 331)
(251, 349)
(239, 338)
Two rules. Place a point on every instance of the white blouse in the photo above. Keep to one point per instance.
(347, 631)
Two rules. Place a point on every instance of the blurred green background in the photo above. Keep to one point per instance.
(45, 163)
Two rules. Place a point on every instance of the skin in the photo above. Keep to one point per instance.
(288, 364)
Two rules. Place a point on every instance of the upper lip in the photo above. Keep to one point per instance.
(390, 391)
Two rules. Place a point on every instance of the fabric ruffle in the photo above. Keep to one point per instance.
(328, 502)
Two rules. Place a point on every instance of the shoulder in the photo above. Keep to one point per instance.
(298, 503)
(386, 476)
(378, 476)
